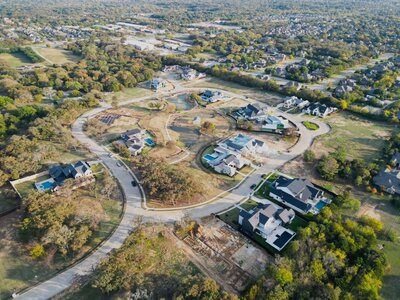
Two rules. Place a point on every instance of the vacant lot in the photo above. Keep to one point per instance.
(362, 138)
(129, 93)
(15, 60)
(57, 56)
(212, 82)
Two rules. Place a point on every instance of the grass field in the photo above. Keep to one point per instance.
(129, 93)
(362, 138)
(57, 56)
(212, 82)
(15, 60)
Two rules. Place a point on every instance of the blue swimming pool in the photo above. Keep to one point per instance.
(150, 142)
(320, 205)
(208, 157)
(45, 185)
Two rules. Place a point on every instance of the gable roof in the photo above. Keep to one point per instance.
(303, 206)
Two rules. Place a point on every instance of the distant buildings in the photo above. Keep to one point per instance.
(298, 194)
(190, 74)
(267, 220)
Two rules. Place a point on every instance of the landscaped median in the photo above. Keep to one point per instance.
(310, 125)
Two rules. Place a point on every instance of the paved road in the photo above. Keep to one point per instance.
(134, 197)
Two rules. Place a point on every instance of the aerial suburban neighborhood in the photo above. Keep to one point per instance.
(219, 149)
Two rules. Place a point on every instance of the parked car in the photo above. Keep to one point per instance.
(134, 183)
(253, 186)
(118, 164)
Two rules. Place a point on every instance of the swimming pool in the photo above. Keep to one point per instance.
(320, 205)
(150, 142)
(208, 157)
(45, 185)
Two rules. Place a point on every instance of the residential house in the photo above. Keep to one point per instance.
(389, 179)
(227, 157)
(245, 144)
(274, 124)
(267, 220)
(319, 110)
(211, 96)
(250, 112)
(298, 194)
(135, 140)
(188, 73)
(59, 174)
(295, 102)
(157, 84)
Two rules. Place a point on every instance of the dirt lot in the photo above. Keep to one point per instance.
(231, 259)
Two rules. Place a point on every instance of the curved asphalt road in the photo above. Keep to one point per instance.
(133, 207)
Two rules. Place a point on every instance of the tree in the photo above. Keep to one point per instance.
(37, 251)
(328, 167)
(114, 102)
(309, 155)
(208, 127)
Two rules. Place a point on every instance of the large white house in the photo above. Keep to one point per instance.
(267, 220)
(228, 156)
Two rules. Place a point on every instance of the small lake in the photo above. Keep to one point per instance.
(181, 102)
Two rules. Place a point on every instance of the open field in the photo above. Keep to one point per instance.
(129, 93)
(253, 93)
(57, 56)
(362, 138)
(15, 60)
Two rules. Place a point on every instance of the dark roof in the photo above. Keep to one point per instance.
(396, 158)
(303, 206)
(303, 189)
(388, 180)
(283, 239)
(254, 107)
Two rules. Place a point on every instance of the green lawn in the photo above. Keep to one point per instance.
(297, 223)
(231, 217)
(249, 205)
(15, 60)
(310, 125)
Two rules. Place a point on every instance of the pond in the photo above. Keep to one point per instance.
(181, 102)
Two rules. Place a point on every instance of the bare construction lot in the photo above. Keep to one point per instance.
(229, 257)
